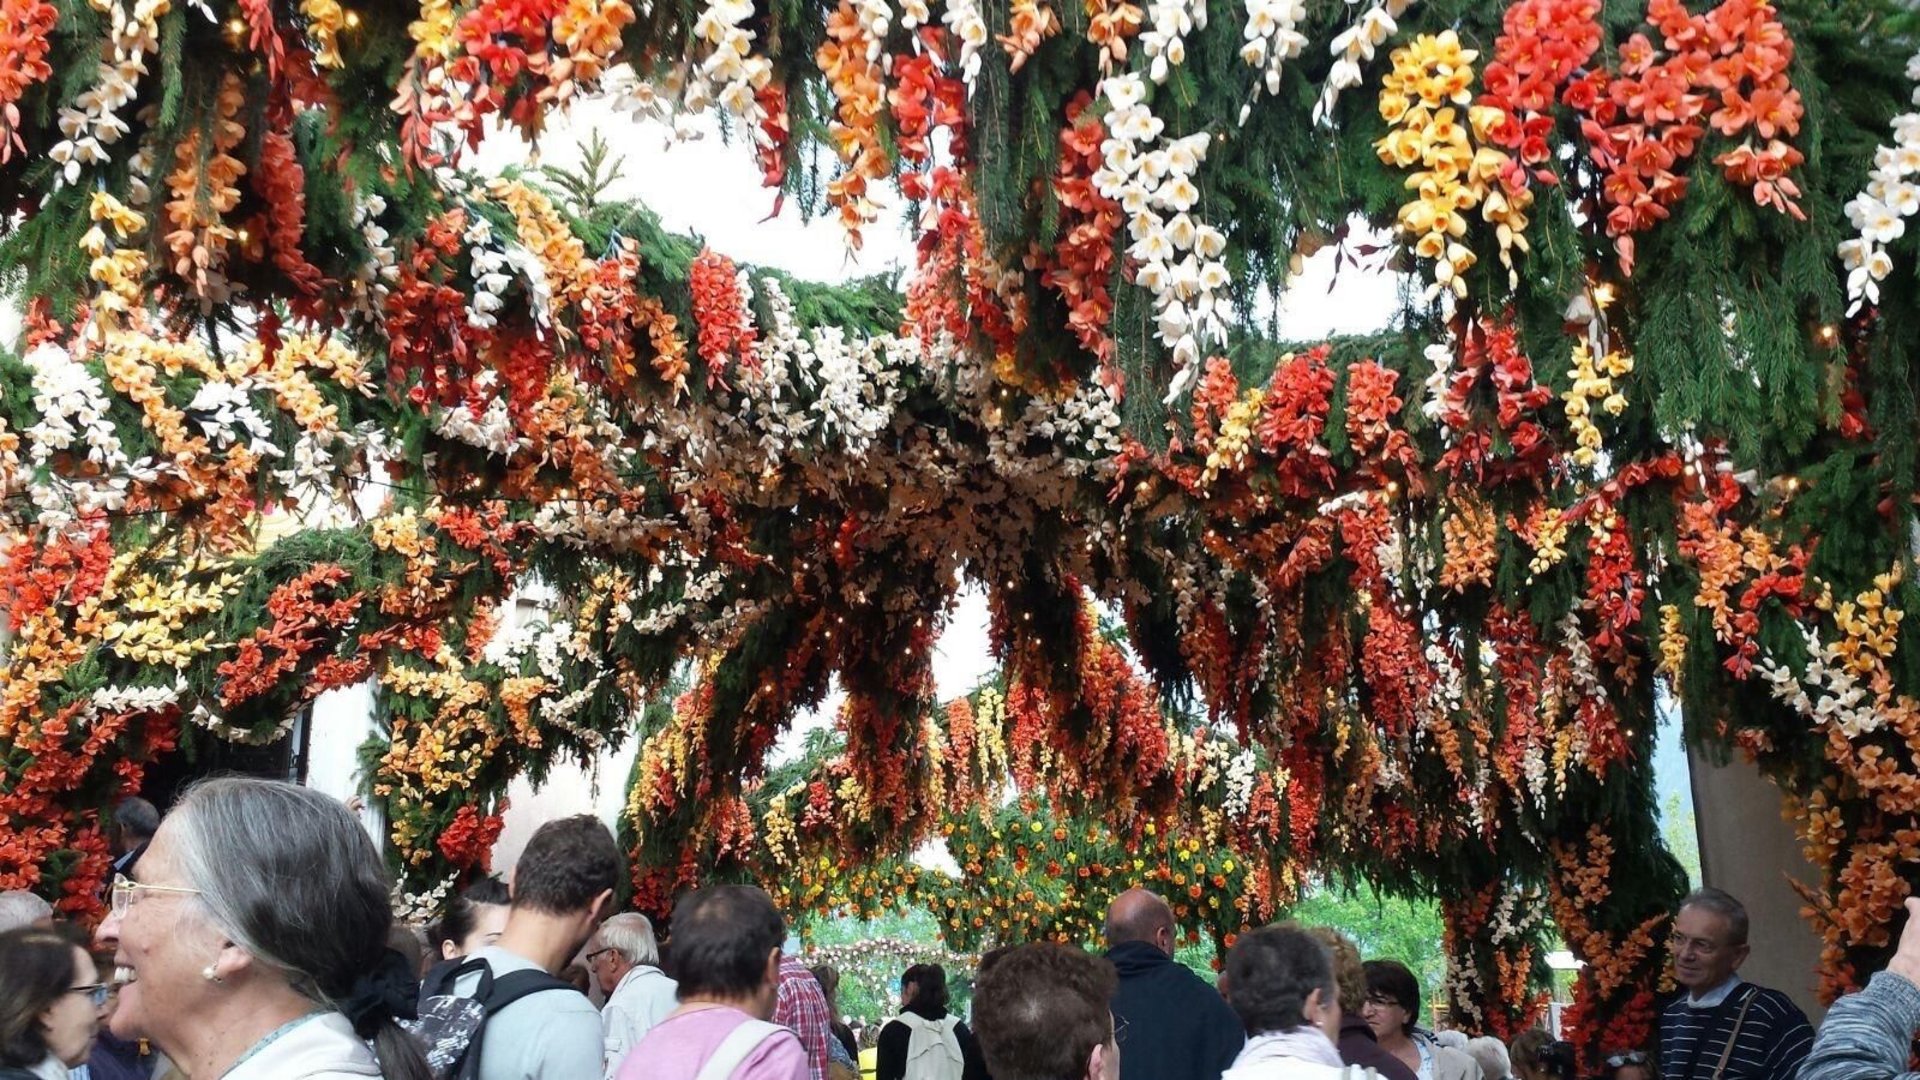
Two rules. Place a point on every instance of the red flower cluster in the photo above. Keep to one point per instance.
(1542, 46)
(1293, 417)
(726, 329)
(427, 329)
(468, 839)
(305, 611)
(1081, 263)
(1492, 353)
(1642, 125)
(282, 184)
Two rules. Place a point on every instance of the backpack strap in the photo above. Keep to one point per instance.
(1733, 1036)
(493, 995)
(733, 1050)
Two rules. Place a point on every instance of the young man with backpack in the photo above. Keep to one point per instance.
(726, 953)
(500, 1014)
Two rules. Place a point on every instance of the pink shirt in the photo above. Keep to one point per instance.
(677, 1047)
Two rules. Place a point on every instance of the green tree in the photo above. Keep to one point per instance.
(1384, 928)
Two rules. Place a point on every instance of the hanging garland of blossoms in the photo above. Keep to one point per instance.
(1398, 568)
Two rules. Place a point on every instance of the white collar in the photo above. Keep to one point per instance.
(1712, 998)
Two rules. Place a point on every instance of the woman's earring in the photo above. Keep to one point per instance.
(207, 974)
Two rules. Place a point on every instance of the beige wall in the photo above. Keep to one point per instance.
(1748, 848)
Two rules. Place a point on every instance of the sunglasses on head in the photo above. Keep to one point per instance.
(1631, 1057)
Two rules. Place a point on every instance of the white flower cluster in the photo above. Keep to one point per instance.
(421, 908)
(1237, 796)
(1272, 37)
(1438, 388)
(730, 74)
(372, 278)
(1179, 257)
(1880, 212)
(490, 277)
(114, 700)
(1354, 47)
(857, 383)
(1084, 424)
(227, 415)
(699, 592)
(91, 123)
(73, 417)
(1837, 697)
(490, 429)
(876, 18)
(964, 22)
(1166, 40)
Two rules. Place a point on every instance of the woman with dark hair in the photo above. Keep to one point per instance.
(254, 945)
(1393, 1012)
(925, 1042)
(1280, 983)
(473, 921)
(829, 978)
(49, 1004)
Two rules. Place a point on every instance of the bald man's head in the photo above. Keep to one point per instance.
(1139, 915)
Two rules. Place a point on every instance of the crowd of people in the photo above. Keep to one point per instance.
(249, 937)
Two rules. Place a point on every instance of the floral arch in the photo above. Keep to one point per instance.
(1646, 424)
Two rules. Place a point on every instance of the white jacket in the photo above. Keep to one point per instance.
(642, 998)
(323, 1048)
(1292, 1056)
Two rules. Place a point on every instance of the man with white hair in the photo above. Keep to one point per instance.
(625, 959)
(20, 908)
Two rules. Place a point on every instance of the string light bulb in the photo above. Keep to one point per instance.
(352, 20)
(1829, 334)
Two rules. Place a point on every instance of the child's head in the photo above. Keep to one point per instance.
(1630, 1065)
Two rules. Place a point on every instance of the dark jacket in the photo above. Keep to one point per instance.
(1176, 1027)
(890, 1052)
(119, 1059)
(1359, 1047)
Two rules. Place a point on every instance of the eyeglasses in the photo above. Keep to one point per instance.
(598, 953)
(1631, 1057)
(125, 887)
(1383, 1001)
(98, 993)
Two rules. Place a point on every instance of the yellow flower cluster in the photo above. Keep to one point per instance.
(432, 32)
(152, 611)
(1546, 531)
(128, 367)
(325, 20)
(449, 752)
(1594, 382)
(1236, 433)
(1431, 82)
(1673, 644)
(1469, 535)
(293, 388)
(119, 268)
(545, 233)
(1869, 629)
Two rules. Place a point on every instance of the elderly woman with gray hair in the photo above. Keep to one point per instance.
(254, 945)
(624, 957)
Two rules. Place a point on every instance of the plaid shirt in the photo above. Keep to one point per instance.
(803, 1007)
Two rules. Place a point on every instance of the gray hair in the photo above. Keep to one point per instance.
(287, 874)
(1723, 904)
(20, 908)
(631, 935)
(1452, 1040)
(1491, 1053)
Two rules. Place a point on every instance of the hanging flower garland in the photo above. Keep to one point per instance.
(1879, 213)
(1178, 257)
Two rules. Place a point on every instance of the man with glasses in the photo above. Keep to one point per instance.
(624, 958)
(1723, 1028)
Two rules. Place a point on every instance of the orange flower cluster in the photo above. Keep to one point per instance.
(1031, 23)
(281, 184)
(202, 197)
(1469, 534)
(26, 33)
(849, 58)
(1109, 24)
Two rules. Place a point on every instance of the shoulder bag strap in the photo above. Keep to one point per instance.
(1726, 1053)
(735, 1048)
